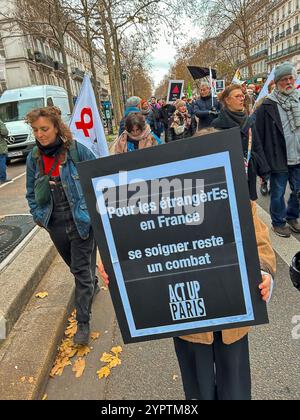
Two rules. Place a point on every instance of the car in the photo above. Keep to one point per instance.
(16, 103)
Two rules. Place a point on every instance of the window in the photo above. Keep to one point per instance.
(50, 102)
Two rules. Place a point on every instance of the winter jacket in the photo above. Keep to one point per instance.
(258, 165)
(166, 113)
(269, 127)
(3, 135)
(268, 264)
(72, 187)
(121, 145)
(188, 132)
(203, 108)
(128, 111)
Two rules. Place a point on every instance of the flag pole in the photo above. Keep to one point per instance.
(211, 87)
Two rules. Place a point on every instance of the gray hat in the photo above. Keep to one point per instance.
(134, 101)
(284, 69)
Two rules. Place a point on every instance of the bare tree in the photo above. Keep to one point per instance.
(235, 23)
(46, 21)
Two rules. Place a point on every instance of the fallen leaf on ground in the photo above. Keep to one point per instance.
(95, 335)
(104, 372)
(31, 380)
(104, 288)
(117, 350)
(44, 397)
(41, 295)
(175, 377)
(59, 366)
(83, 351)
(23, 379)
(71, 330)
(106, 357)
(79, 367)
(114, 363)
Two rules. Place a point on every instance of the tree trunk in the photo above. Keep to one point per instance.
(117, 67)
(110, 65)
(91, 54)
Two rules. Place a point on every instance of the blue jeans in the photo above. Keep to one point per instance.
(280, 213)
(3, 167)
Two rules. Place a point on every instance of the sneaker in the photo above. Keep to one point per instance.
(82, 336)
(283, 231)
(294, 225)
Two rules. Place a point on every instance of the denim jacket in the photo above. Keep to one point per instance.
(72, 187)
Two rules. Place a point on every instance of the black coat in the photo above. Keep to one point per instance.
(258, 164)
(202, 108)
(166, 113)
(269, 127)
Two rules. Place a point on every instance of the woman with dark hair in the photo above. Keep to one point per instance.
(232, 115)
(57, 204)
(137, 135)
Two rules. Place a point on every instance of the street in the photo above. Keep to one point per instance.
(149, 370)
(13, 194)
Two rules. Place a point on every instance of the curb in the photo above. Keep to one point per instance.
(21, 276)
(30, 350)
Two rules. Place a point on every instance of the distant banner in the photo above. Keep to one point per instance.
(175, 91)
(220, 86)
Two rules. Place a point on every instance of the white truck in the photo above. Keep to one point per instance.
(16, 103)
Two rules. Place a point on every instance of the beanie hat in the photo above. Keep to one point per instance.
(179, 104)
(134, 101)
(284, 69)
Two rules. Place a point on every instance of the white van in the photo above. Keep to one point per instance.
(16, 103)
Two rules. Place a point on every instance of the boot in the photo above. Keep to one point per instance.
(82, 335)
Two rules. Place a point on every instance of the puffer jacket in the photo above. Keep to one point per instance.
(268, 264)
(3, 135)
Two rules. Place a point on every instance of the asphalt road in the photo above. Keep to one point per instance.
(12, 194)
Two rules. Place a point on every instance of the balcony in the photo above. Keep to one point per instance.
(282, 35)
(288, 32)
(296, 28)
(58, 66)
(77, 74)
(286, 51)
(43, 59)
(260, 54)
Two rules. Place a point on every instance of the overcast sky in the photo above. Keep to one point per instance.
(165, 53)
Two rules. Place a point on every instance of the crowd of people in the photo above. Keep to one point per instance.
(213, 365)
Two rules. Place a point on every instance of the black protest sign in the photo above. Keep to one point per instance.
(175, 232)
(175, 90)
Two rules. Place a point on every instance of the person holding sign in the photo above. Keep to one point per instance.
(233, 115)
(216, 366)
(56, 201)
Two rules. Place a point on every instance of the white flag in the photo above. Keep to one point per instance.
(86, 125)
(265, 90)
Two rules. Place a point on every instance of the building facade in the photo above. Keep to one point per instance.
(284, 38)
(274, 37)
(30, 60)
